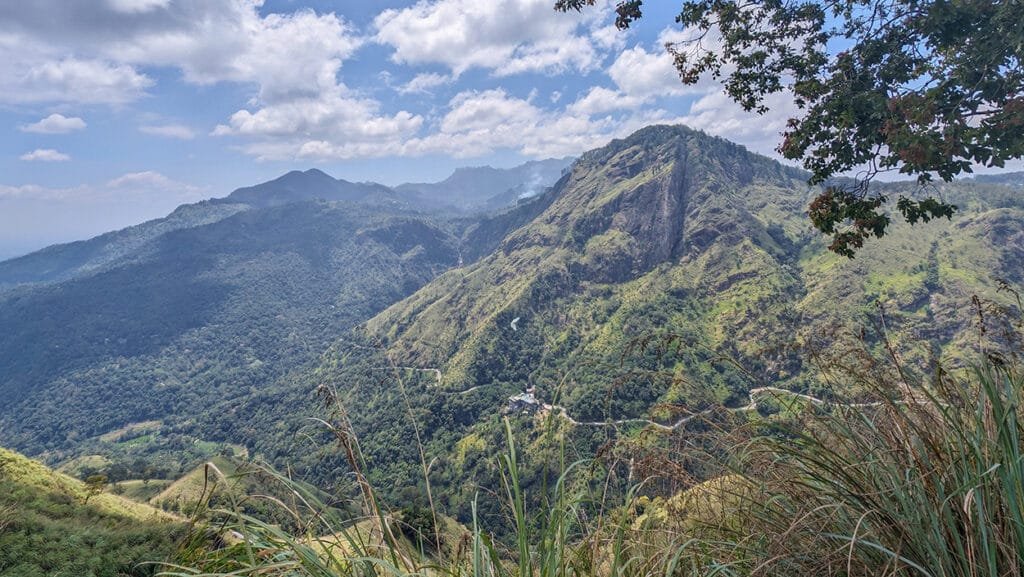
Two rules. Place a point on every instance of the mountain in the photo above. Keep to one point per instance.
(487, 188)
(674, 231)
(208, 309)
(201, 325)
(311, 184)
(63, 261)
(661, 275)
(1007, 178)
(51, 525)
(666, 273)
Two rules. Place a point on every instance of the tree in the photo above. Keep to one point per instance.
(94, 485)
(925, 87)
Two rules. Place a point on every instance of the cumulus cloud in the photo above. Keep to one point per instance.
(641, 76)
(210, 41)
(335, 124)
(645, 74)
(293, 61)
(72, 79)
(44, 155)
(481, 122)
(717, 114)
(148, 180)
(55, 124)
(504, 36)
(178, 131)
(293, 66)
(599, 100)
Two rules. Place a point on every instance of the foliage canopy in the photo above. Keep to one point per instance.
(925, 87)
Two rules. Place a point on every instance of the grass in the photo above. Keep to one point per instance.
(50, 524)
(140, 490)
(920, 479)
(185, 493)
(928, 482)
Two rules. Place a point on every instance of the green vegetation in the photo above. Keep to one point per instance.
(673, 316)
(174, 355)
(731, 292)
(922, 479)
(52, 524)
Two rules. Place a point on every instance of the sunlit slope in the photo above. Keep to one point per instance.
(50, 524)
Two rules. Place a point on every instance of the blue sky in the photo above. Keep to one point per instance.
(115, 111)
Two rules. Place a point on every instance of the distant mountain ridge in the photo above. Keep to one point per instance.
(64, 261)
(487, 188)
(312, 184)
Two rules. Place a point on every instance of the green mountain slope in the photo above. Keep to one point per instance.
(50, 525)
(640, 237)
(201, 329)
(668, 272)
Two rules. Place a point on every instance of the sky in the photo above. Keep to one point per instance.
(117, 111)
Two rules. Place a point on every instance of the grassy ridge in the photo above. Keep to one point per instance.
(50, 524)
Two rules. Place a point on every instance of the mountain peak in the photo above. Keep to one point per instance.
(316, 172)
(311, 184)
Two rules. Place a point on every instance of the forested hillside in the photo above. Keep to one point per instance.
(669, 272)
(663, 275)
(199, 330)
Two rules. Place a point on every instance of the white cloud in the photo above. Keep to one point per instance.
(71, 80)
(600, 100)
(473, 111)
(332, 125)
(479, 123)
(643, 74)
(717, 114)
(91, 50)
(504, 36)
(135, 183)
(476, 123)
(609, 37)
(425, 82)
(55, 124)
(169, 131)
(286, 55)
(44, 155)
(293, 60)
(26, 190)
(148, 179)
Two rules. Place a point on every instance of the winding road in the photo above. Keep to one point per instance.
(562, 412)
